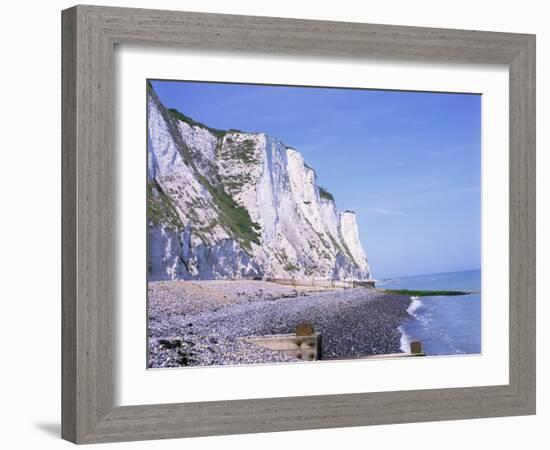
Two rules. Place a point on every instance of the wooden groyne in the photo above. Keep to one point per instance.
(322, 283)
(306, 345)
(416, 350)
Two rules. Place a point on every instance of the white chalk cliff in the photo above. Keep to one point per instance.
(229, 204)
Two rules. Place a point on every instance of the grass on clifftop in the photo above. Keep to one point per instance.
(323, 193)
(192, 122)
(414, 293)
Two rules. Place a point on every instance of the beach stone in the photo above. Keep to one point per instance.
(354, 322)
(173, 343)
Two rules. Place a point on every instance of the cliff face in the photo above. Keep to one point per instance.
(228, 204)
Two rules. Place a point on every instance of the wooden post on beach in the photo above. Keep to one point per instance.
(305, 329)
(416, 347)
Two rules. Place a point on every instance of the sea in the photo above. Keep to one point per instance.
(445, 325)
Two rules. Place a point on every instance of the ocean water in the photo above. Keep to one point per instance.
(446, 325)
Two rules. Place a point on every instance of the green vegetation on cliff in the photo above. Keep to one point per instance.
(233, 216)
(192, 122)
(323, 193)
(160, 209)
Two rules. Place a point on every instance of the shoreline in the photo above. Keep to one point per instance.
(405, 340)
(205, 323)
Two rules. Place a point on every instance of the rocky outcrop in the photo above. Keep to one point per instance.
(229, 204)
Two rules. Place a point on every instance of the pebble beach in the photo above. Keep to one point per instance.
(204, 323)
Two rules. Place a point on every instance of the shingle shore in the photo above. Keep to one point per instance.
(200, 323)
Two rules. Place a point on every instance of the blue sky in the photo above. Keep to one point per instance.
(408, 163)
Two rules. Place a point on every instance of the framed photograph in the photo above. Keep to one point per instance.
(277, 224)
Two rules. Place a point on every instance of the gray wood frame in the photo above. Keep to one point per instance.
(89, 36)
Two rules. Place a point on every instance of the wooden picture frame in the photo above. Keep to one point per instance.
(89, 36)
